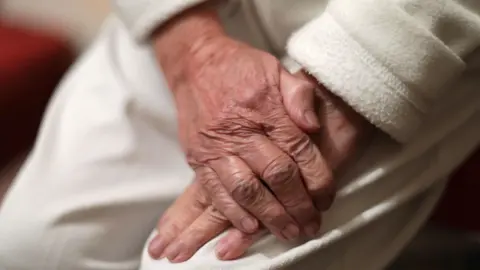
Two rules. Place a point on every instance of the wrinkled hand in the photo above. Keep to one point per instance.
(236, 133)
(239, 113)
(193, 220)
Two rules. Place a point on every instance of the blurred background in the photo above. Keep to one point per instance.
(78, 20)
(40, 39)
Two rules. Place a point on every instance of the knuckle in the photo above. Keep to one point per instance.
(163, 220)
(229, 131)
(300, 208)
(171, 230)
(260, 95)
(254, 97)
(240, 176)
(280, 172)
(202, 199)
(298, 145)
(208, 180)
(274, 216)
(248, 192)
(191, 160)
(216, 216)
(198, 193)
(310, 160)
(213, 188)
(224, 203)
(200, 203)
(315, 169)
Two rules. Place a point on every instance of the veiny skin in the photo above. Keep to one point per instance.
(193, 220)
(243, 124)
(235, 131)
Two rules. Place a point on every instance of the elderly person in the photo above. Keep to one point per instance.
(266, 144)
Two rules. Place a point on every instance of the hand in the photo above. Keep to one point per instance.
(238, 117)
(192, 221)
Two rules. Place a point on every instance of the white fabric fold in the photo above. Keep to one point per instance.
(141, 17)
(391, 60)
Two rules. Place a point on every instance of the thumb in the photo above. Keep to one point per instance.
(299, 100)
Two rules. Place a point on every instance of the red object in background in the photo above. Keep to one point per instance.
(31, 65)
(459, 206)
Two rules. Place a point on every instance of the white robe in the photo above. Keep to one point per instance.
(391, 60)
(107, 163)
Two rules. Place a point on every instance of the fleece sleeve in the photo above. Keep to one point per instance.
(142, 16)
(389, 59)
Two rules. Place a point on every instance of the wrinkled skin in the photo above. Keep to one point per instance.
(194, 219)
(236, 110)
(243, 123)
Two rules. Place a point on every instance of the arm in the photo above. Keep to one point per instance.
(390, 59)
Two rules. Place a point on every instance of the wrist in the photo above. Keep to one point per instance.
(179, 39)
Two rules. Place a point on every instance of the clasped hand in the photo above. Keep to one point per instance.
(244, 124)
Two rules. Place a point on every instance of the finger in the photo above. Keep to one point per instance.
(298, 96)
(313, 167)
(180, 215)
(222, 201)
(248, 191)
(282, 176)
(206, 227)
(344, 129)
(236, 243)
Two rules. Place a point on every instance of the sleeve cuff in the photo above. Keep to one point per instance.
(141, 17)
(330, 54)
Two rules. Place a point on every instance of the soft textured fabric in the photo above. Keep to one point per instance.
(107, 164)
(143, 16)
(391, 60)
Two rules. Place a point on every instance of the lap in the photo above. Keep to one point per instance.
(107, 163)
(339, 249)
(383, 201)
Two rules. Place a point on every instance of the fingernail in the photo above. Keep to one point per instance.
(222, 248)
(250, 225)
(311, 118)
(173, 252)
(290, 232)
(312, 228)
(179, 258)
(156, 247)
